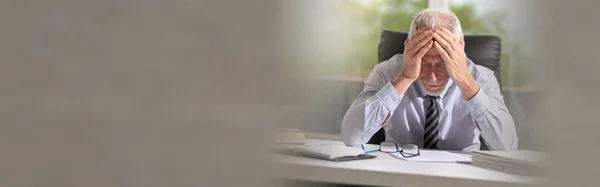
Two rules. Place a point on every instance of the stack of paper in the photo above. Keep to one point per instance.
(523, 162)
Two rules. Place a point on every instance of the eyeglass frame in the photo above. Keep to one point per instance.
(397, 149)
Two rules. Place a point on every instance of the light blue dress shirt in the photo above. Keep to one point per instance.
(461, 123)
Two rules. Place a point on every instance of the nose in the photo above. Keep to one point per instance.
(432, 75)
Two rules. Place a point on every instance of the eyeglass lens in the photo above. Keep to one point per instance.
(388, 147)
(410, 149)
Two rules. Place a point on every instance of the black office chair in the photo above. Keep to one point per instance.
(481, 49)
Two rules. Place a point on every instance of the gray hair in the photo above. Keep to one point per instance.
(434, 18)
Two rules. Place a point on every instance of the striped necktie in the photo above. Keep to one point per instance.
(431, 137)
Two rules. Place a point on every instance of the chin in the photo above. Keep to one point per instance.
(434, 91)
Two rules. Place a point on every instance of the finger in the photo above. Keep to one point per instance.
(420, 30)
(415, 48)
(416, 38)
(415, 45)
(442, 52)
(417, 32)
(424, 49)
(450, 36)
(444, 43)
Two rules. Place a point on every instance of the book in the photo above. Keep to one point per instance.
(504, 167)
(289, 136)
(523, 162)
(520, 157)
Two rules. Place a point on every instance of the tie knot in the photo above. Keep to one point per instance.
(431, 97)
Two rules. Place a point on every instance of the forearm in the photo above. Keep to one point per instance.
(360, 123)
(494, 121)
(368, 114)
(402, 83)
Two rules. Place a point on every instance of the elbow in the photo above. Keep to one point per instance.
(510, 144)
(351, 141)
(512, 141)
(351, 133)
(514, 145)
(350, 137)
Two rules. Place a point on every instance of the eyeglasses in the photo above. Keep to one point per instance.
(408, 150)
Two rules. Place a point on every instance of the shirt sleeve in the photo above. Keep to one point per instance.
(367, 113)
(489, 112)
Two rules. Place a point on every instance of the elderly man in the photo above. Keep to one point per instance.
(432, 95)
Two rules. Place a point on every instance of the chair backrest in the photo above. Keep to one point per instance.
(484, 50)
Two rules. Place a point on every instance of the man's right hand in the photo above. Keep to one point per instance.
(415, 48)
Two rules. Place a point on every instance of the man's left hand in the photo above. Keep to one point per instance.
(452, 51)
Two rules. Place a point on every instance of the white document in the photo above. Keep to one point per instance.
(435, 156)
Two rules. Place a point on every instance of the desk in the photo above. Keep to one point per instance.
(386, 170)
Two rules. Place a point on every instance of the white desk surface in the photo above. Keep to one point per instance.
(386, 170)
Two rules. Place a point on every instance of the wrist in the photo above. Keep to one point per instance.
(468, 87)
(401, 83)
